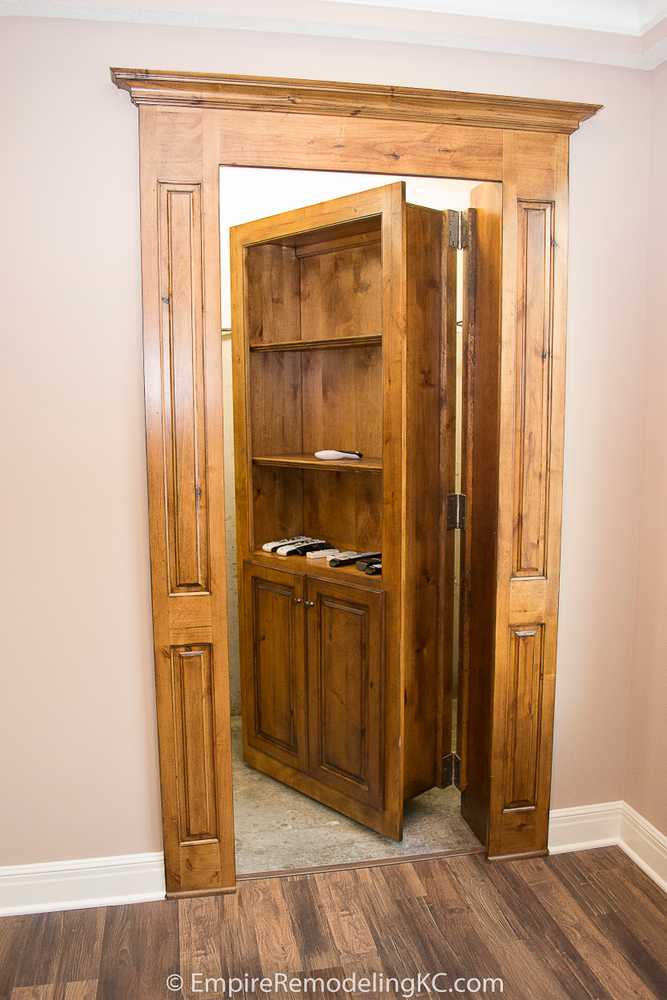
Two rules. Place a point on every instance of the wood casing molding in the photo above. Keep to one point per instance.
(357, 100)
(517, 151)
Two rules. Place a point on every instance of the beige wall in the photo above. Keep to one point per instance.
(646, 772)
(78, 732)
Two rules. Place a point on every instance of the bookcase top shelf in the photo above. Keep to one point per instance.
(367, 340)
(310, 462)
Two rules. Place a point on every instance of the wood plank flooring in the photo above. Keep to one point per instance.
(588, 925)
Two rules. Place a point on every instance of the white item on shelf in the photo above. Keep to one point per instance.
(272, 546)
(323, 554)
(285, 550)
(331, 455)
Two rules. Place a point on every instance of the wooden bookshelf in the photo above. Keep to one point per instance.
(310, 462)
(337, 324)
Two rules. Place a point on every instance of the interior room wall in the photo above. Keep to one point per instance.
(247, 194)
(646, 760)
(79, 755)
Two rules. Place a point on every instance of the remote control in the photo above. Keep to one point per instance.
(343, 555)
(346, 559)
(273, 546)
(301, 548)
(373, 568)
(332, 455)
(323, 554)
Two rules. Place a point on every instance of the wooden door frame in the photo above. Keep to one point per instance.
(189, 126)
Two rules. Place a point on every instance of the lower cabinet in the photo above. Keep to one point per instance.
(312, 661)
(344, 669)
(273, 666)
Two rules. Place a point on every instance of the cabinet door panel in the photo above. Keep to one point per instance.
(273, 666)
(345, 690)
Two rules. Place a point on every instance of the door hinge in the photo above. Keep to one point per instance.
(456, 510)
(458, 230)
(197, 494)
(451, 770)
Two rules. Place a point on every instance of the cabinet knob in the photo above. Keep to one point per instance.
(297, 600)
(309, 604)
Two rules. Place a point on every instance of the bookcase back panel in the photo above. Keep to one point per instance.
(344, 507)
(342, 400)
(272, 297)
(303, 401)
(277, 496)
(341, 293)
(275, 403)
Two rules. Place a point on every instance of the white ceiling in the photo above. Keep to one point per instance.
(627, 17)
(629, 33)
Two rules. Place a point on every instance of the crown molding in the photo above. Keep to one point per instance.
(319, 97)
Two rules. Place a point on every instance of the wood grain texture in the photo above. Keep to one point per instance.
(534, 336)
(346, 690)
(426, 305)
(367, 262)
(532, 390)
(583, 926)
(447, 432)
(480, 455)
(182, 372)
(181, 296)
(272, 647)
(215, 90)
(186, 145)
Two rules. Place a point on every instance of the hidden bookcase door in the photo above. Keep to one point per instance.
(338, 312)
(189, 125)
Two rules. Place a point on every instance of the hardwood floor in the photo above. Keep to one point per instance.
(576, 925)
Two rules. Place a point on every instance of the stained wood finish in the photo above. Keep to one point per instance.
(181, 275)
(524, 716)
(426, 306)
(482, 355)
(346, 689)
(182, 368)
(447, 429)
(215, 90)
(358, 265)
(184, 142)
(585, 926)
(535, 246)
(273, 653)
(530, 463)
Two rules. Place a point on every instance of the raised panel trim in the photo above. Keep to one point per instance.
(194, 742)
(260, 583)
(533, 389)
(362, 612)
(180, 269)
(524, 717)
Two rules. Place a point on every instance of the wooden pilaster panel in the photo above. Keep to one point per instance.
(182, 370)
(532, 371)
(532, 424)
(181, 328)
(191, 677)
(524, 716)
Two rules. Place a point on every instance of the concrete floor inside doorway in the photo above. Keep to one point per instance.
(279, 829)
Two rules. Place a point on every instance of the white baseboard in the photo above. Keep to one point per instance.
(645, 844)
(73, 885)
(135, 878)
(611, 823)
(580, 828)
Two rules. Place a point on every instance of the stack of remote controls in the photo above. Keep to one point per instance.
(319, 548)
